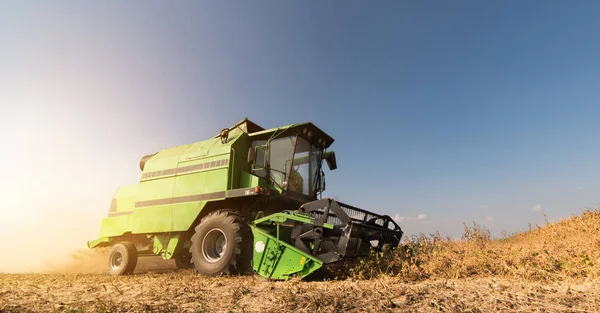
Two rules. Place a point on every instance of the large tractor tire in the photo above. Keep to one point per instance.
(122, 258)
(222, 244)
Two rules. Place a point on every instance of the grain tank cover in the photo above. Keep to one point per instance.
(245, 125)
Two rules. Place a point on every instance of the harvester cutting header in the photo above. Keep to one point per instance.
(246, 198)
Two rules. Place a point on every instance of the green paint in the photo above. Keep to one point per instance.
(178, 183)
(281, 218)
(278, 260)
(113, 226)
(97, 242)
(166, 245)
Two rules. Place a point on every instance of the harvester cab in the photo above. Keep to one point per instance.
(202, 204)
(291, 159)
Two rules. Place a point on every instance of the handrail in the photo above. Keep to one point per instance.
(232, 167)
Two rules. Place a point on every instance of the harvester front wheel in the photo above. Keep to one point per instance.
(122, 258)
(221, 244)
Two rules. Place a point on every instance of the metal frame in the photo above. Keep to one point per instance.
(332, 245)
(331, 230)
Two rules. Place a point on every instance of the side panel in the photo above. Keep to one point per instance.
(249, 180)
(205, 181)
(239, 161)
(124, 199)
(172, 203)
(115, 225)
(118, 221)
(152, 211)
(184, 214)
(155, 189)
(153, 219)
(199, 188)
(178, 182)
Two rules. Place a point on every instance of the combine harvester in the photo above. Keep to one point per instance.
(244, 199)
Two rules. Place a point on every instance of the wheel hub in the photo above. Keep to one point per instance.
(214, 245)
(116, 260)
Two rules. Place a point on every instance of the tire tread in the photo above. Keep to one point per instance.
(242, 231)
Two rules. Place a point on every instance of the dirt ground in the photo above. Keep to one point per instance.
(552, 268)
(185, 291)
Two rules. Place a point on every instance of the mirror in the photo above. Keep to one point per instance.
(260, 158)
(251, 155)
(330, 159)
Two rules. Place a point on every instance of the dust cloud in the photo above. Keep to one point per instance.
(95, 261)
(60, 182)
(49, 234)
(48, 229)
(79, 261)
(53, 240)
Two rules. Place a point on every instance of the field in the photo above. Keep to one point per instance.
(552, 268)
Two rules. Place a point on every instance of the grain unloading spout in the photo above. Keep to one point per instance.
(297, 243)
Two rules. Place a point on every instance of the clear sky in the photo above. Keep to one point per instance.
(443, 112)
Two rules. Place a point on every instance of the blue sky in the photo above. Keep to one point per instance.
(443, 112)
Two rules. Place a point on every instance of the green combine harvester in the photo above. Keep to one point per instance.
(246, 199)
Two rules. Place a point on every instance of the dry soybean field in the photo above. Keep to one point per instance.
(550, 268)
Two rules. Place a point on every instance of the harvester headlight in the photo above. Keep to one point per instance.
(304, 131)
(309, 133)
(259, 246)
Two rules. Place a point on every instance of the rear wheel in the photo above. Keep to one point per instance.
(122, 258)
(222, 244)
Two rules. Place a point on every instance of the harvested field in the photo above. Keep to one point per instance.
(182, 291)
(553, 268)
